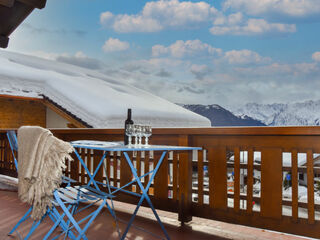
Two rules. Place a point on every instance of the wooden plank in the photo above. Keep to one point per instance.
(125, 172)
(4, 41)
(250, 181)
(108, 167)
(310, 184)
(146, 167)
(175, 177)
(271, 183)
(35, 3)
(97, 155)
(138, 167)
(236, 199)
(67, 170)
(212, 134)
(200, 177)
(83, 171)
(115, 168)
(294, 180)
(1, 151)
(7, 3)
(15, 113)
(210, 153)
(74, 171)
(161, 178)
(185, 181)
(89, 160)
(219, 178)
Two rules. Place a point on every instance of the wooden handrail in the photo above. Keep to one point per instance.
(173, 188)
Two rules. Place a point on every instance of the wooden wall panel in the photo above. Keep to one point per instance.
(15, 113)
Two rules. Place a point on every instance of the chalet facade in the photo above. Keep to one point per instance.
(16, 111)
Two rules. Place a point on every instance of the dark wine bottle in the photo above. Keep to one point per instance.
(126, 123)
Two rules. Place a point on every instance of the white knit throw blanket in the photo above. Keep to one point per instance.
(41, 159)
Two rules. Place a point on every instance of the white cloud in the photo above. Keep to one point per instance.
(161, 62)
(250, 27)
(316, 56)
(181, 49)
(106, 17)
(291, 8)
(80, 59)
(232, 19)
(114, 44)
(286, 72)
(244, 57)
(135, 23)
(158, 15)
(199, 71)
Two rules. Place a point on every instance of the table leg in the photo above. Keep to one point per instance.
(145, 194)
(87, 170)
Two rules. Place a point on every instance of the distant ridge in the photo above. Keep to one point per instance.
(305, 113)
(220, 116)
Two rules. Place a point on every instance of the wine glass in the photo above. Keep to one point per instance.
(147, 133)
(129, 133)
(134, 134)
(139, 134)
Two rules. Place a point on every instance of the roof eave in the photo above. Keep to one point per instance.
(12, 14)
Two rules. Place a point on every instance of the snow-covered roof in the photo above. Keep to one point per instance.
(98, 100)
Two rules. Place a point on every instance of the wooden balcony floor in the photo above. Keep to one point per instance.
(11, 209)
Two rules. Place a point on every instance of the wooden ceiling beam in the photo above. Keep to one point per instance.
(13, 13)
(34, 3)
(4, 41)
(7, 3)
(11, 18)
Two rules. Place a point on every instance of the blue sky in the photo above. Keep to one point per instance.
(228, 52)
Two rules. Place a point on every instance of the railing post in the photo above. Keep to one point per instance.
(185, 182)
(271, 183)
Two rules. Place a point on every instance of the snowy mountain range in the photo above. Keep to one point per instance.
(220, 116)
(293, 114)
(253, 114)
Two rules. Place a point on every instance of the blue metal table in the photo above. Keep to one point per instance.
(108, 147)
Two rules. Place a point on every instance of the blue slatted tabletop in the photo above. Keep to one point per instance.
(119, 146)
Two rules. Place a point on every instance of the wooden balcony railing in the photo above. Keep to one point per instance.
(237, 178)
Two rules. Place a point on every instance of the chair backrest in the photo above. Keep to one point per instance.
(13, 141)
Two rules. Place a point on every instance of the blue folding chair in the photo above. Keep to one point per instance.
(13, 142)
(68, 199)
(12, 138)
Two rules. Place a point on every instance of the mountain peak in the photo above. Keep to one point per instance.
(220, 116)
(305, 113)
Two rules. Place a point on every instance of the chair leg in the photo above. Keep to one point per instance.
(34, 226)
(24, 218)
(82, 234)
(61, 222)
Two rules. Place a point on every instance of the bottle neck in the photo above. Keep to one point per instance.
(129, 114)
